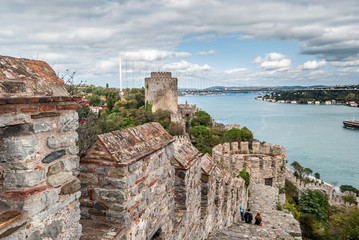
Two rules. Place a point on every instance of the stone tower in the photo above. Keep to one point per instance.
(161, 92)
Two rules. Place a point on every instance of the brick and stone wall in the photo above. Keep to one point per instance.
(187, 111)
(38, 153)
(207, 196)
(127, 180)
(265, 163)
(314, 186)
(140, 183)
(187, 190)
(208, 191)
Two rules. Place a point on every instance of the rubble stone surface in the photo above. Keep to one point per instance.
(276, 224)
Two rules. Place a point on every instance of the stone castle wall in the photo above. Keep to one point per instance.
(188, 201)
(320, 186)
(187, 111)
(134, 198)
(136, 183)
(38, 155)
(207, 196)
(265, 163)
(174, 192)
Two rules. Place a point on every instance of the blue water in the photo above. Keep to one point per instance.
(312, 134)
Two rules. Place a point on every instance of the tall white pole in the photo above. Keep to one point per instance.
(120, 65)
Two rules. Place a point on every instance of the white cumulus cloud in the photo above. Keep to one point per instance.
(345, 63)
(310, 65)
(235, 70)
(184, 66)
(153, 55)
(273, 61)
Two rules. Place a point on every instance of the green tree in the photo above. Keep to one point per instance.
(110, 101)
(317, 175)
(201, 138)
(175, 129)
(350, 199)
(291, 192)
(201, 118)
(233, 135)
(307, 171)
(237, 135)
(132, 103)
(351, 227)
(163, 117)
(310, 227)
(298, 168)
(141, 116)
(350, 188)
(343, 224)
(88, 129)
(246, 134)
(95, 100)
(315, 203)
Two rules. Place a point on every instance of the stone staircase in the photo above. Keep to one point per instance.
(276, 224)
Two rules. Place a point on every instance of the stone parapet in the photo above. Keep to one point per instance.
(320, 186)
(38, 155)
(231, 126)
(265, 163)
(174, 192)
(133, 196)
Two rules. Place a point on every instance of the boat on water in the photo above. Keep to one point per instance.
(351, 124)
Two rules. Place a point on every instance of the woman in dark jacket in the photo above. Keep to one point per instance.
(258, 219)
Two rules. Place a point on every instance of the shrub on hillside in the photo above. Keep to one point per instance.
(350, 199)
(175, 129)
(201, 118)
(350, 188)
(314, 203)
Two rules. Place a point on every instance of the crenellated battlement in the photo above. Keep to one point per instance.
(265, 162)
(243, 148)
(155, 185)
(161, 74)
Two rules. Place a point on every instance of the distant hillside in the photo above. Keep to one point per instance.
(265, 87)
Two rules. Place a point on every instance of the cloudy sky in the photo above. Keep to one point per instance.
(202, 42)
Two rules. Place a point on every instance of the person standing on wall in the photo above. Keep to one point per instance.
(242, 211)
(248, 217)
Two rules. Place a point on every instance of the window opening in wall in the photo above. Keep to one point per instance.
(261, 164)
(268, 181)
(157, 235)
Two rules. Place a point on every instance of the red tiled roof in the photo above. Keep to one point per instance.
(20, 77)
(207, 163)
(136, 142)
(185, 152)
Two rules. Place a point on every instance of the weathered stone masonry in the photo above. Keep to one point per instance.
(266, 163)
(127, 183)
(136, 183)
(38, 153)
(161, 92)
(140, 183)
